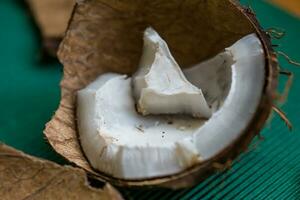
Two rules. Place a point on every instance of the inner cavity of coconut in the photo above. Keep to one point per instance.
(121, 142)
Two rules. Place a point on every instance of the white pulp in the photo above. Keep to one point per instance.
(119, 141)
(124, 144)
(159, 85)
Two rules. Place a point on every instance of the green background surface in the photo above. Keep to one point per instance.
(29, 95)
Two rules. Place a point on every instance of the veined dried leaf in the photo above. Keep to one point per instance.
(26, 177)
(52, 18)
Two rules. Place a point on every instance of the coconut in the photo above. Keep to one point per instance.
(194, 30)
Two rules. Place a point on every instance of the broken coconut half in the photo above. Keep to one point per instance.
(238, 83)
(120, 142)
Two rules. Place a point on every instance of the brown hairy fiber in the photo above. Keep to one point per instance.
(106, 35)
(26, 177)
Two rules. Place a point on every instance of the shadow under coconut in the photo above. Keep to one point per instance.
(156, 193)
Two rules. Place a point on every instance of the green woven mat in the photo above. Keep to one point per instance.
(29, 95)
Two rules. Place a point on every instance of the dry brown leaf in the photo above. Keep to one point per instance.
(26, 177)
(52, 18)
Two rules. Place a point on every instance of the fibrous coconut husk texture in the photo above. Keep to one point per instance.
(106, 35)
(51, 17)
(26, 177)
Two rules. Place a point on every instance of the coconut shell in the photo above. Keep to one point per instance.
(27, 177)
(105, 35)
(51, 17)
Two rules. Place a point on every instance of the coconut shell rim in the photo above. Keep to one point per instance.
(197, 173)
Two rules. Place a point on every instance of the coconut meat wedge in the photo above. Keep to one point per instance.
(120, 142)
(159, 85)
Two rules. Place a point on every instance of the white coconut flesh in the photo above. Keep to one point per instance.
(119, 141)
(159, 85)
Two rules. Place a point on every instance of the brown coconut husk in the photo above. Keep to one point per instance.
(106, 35)
(51, 17)
(28, 177)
